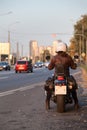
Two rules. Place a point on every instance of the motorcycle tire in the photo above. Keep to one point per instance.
(60, 103)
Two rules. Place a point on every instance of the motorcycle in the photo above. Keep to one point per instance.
(61, 91)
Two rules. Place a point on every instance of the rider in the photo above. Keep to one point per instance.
(67, 61)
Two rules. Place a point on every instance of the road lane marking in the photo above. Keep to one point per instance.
(3, 73)
(9, 92)
(3, 77)
(25, 87)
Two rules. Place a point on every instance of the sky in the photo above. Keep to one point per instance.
(38, 20)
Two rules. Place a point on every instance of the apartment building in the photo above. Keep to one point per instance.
(34, 50)
(54, 46)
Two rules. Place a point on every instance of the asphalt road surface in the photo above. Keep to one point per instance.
(23, 107)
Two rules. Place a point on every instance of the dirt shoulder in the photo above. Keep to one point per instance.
(84, 77)
(84, 83)
(81, 79)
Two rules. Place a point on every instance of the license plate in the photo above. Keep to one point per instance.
(59, 90)
(21, 68)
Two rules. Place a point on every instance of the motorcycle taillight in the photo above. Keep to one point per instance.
(60, 77)
(60, 82)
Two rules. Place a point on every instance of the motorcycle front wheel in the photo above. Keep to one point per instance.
(60, 103)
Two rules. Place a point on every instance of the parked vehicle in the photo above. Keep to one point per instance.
(46, 64)
(60, 89)
(1, 66)
(4, 66)
(23, 65)
(62, 92)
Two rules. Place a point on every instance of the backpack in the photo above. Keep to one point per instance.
(59, 69)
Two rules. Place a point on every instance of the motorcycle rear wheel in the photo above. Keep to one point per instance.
(60, 103)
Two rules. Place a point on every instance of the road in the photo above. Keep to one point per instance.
(11, 80)
(24, 108)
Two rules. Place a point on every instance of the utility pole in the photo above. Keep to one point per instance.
(9, 39)
(9, 47)
(17, 50)
(0, 51)
(29, 52)
(82, 37)
(22, 51)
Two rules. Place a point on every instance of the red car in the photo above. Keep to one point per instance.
(23, 65)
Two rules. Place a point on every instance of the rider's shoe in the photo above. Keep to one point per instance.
(47, 105)
(77, 106)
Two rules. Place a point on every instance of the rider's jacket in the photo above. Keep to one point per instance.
(62, 58)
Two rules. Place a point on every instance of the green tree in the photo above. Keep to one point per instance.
(80, 33)
(72, 47)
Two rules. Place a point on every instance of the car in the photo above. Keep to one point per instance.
(5, 66)
(46, 64)
(23, 65)
(38, 64)
(1, 66)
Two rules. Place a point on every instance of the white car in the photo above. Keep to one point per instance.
(46, 64)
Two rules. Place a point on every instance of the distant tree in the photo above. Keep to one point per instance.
(72, 47)
(80, 32)
(46, 54)
(48, 57)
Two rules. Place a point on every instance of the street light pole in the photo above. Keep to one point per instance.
(9, 46)
(22, 51)
(10, 41)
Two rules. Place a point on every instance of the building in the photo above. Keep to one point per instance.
(40, 52)
(49, 48)
(54, 46)
(4, 51)
(34, 50)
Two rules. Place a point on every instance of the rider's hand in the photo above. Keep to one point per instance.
(50, 87)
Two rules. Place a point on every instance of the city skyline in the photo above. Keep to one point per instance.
(39, 52)
(35, 50)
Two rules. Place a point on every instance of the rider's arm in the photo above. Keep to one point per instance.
(73, 65)
(51, 64)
